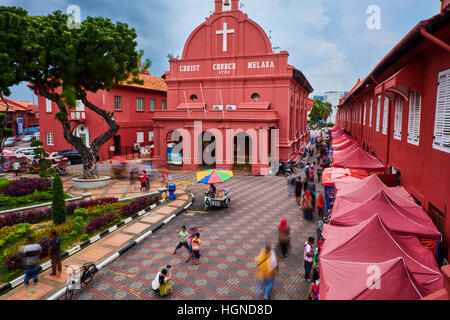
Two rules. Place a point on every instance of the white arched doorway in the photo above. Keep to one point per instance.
(82, 132)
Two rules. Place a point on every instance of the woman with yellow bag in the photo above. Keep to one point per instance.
(267, 264)
(161, 284)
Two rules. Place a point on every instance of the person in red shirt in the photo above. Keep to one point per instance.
(144, 181)
(320, 205)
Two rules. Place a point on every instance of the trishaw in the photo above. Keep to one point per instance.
(221, 197)
(61, 165)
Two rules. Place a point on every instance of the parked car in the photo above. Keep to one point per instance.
(10, 142)
(28, 138)
(37, 135)
(73, 156)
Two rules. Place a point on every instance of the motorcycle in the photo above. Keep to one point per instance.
(284, 168)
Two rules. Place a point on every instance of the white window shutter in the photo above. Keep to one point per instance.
(398, 118)
(48, 105)
(385, 115)
(441, 139)
(365, 109)
(377, 128)
(79, 105)
(370, 114)
(414, 118)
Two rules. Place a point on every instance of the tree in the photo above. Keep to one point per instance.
(327, 111)
(65, 64)
(44, 165)
(59, 203)
(13, 27)
(315, 114)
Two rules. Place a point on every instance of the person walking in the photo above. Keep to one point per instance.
(16, 166)
(290, 183)
(267, 265)
(308, 257)
(196, 242)
(307, 172)
(54, 253)
(320, 205)
(143, 181)
(311, 172)
(284, 238)
(133, 178)
(307, 206)
(183, 239)
(298, 186)
(319, 172)
(31, 253)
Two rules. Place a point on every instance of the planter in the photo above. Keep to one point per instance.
(79, 183)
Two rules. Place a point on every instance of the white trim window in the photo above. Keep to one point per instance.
(151, 136)
(50, 138)
(117, 102)
(48, 105)
(377, 128)
(139, 104)
(398, 118)
(139, 136)
(79, 105)
(370, 113)
(441, 136)
(385, 115)
(365, 110)
(415, 101)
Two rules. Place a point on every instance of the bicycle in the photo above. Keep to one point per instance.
(83, 275)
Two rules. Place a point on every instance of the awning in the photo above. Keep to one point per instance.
(332, 175)
(400, 84)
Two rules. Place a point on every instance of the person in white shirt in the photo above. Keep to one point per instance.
(161, 279)
(308, 257)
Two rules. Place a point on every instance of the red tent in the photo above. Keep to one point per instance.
(349, 148)
(337, 133)
(337, 284)
(372, 244)
(341, 139)
(331, 175)
(366, 188)
(413, 221)
(356, 158)
(343, 145)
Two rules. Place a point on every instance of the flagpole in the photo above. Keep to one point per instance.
(203, 99)
(187, 105)
(221, 102)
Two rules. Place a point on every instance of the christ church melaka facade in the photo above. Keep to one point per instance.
(230, 87)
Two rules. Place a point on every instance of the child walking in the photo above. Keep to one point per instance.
(196, 242)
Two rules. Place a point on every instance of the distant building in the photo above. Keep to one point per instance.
(333, 97)
(21, 115)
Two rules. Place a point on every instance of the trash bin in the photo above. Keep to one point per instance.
(172, 188)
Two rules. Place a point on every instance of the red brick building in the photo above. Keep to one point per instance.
(20, 111)
(401, 114)
(231, 82)
(133, 106)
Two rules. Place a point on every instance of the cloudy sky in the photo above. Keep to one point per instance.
(327, 39)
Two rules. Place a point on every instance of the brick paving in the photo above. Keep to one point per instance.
(231, 239)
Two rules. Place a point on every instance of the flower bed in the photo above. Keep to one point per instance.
(84, 220)
(25, 186)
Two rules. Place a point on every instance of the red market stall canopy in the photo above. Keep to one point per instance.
(372, 244)
(405, 221)
(340, 139)
(336, 284)
(356, 158)
(337, 133)
(366, 188)
(343, 145)
(332, 175)
(349, 148)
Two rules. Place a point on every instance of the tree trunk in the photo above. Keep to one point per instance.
(89, 164)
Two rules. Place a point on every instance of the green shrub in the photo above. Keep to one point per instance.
(58, 203)
(78, 224)
(14, 202)
(84, 237)
(81, 212)
(10, 235)
(3, 183)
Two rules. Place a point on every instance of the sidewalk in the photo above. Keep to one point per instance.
(104, 248)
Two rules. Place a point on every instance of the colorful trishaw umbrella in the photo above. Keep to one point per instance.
(213, 176)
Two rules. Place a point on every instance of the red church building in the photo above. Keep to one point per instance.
(133, 106)
(401, 114)
(231, 97)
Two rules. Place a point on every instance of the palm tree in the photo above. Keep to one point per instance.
(327, 110)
